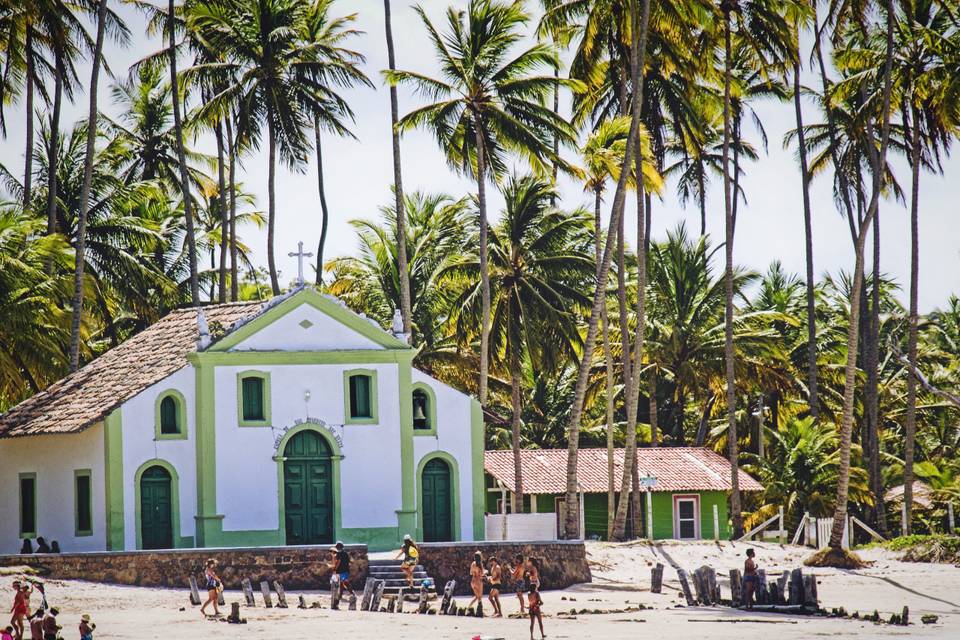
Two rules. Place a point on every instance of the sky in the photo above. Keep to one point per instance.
(358, 174)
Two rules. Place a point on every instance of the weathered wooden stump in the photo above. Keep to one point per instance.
(424, 595)
(400, 598)
(352, 603)
(479, 612)
(194, 592)
(248, 592)
(447, 595)
(377, 595)
(220, 601)
(265, 590)
(391, 604)
(762, 595)
(303, 602)
(368, 589)
(281, 594)
(234, 617)
(656, 579)
(335, 594)
(685, 587)
(796, 586)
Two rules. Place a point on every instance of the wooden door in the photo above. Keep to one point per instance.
(436, 501)
(156, 511)
(308, 490)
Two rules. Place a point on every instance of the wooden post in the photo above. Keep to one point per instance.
(220, 601)
(281, 594)
(368, 588)
(656, 579)
(234, 616)
(248, 592)
(194, 591)
(685, 587)
(649, 514)
(903, 518)
(265, 590)
(716, 523)
(424, 595)
(780, 533)
(950, 524)
(303, 602)
(735, 584)
(761, 595)
(698, 589)
(352, 603)
(447, 595)
(377, 595)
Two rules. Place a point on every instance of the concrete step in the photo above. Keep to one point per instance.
(386, 573)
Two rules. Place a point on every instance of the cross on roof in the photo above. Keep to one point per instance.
(300, 255)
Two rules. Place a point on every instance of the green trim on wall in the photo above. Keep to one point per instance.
(113, 480)
(36, 525)
(281, 499)
(265, 358)
(320, 302)
(181, 403)
(454, 489)
(267, 416)
(407, 513)
(374, 397)
(208, 522)
(476, 471)
(77, 474)
(431, 409)
(376, 538)
(178, 541)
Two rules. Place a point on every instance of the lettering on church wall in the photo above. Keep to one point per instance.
(338, 438)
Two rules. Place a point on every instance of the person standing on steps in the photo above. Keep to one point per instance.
(411, 557)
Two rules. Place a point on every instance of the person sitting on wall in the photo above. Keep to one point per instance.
(27, 547)
(54, 547)
(42, 546)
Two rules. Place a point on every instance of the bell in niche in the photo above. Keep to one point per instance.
(418, 413)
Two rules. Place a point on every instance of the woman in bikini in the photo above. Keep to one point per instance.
(21, 607)
(476, 579)
(411, 556)
(213, 587)
(495, 578)
(517, 573)
(533, 573)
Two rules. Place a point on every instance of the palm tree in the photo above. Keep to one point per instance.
(540, 266)
(488, 105)
(398, 179)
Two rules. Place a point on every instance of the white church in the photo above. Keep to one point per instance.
(286, 422)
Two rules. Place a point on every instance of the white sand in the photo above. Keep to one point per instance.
(621, 578)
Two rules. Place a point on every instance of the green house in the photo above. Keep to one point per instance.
(689, 488)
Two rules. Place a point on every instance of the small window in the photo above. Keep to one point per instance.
(169, 416)
(84, 524)
(252, 389)
(421, 410)
(28, 505)
(360, 401)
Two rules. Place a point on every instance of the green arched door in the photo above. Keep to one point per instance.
(156, 509)
(436, 500)
(308, 489)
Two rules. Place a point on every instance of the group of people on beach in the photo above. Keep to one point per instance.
(42, 622)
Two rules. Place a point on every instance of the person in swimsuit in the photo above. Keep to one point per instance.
(342, 567)
(495, 579)
(533, 573)
(21, 607)
(535, 614)
(36, 625)
(50, 627)
(517, 575)
(476, 579)
(86, 627)
(750, 579)
(212, 586)
(411, 557)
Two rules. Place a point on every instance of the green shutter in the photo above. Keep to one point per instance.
(253, 399)
(84, 507)
(28, 505)
(360, 396)
(169, 416)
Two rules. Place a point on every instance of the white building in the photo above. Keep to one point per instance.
(293, 421)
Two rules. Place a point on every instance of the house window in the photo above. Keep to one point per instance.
(421, 410)
(170, 416)
(28, 505)
(253, 391)
(84, 505)
(360, 404)
(686, 521)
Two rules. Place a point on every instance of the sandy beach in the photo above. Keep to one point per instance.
(621, 581)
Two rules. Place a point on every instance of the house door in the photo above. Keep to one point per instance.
(308, 489)
(156, 515)
(436, 501)
(686, 517)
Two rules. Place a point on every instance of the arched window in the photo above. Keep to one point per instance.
(170, 421)
(421, 410)
(169, 416)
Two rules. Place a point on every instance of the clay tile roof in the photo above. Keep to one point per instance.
(82, 398)
(675, 468)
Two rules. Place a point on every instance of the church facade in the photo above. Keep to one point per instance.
(287, 422)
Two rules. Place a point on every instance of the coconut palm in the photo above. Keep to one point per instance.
(488, 105)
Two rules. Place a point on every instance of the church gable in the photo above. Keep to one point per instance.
(307, 321)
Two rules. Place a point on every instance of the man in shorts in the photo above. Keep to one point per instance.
(751, 579)
(342, 568)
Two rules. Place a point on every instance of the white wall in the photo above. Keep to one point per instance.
(54, 458)
(139, 446)
(247, 475)
(453, 437)
(323, 334)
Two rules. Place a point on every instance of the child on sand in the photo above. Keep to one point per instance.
(411, 556)
(213, 588)
(6, 633)
(750, 579)
(86, 627)
(535, 614)
(495, 578)
(517, 575)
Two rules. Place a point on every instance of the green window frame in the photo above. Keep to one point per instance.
(253, 399)
(427, 426)
(27, 487)
(169, 401)
(360, 396)
(83, 502)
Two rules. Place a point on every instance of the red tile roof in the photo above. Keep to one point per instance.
(675, 468)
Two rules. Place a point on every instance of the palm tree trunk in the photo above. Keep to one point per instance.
(484, 261)
(703, 203)
(516, 381)
(872, 395)
(911, 417)
(877, 163)
(608, 359)
(735, 512)
(652, 395)
(704, 424)
(224, 215)
(572, 519)
(324, 212)
(234, 283)
(53, 162)
(81, 244)
(736, 172)
(808, 248)
(272, 204)
(182, 158)
(28, 151)
(402, 268)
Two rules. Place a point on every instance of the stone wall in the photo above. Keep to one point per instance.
(562, 563)
(302, 567)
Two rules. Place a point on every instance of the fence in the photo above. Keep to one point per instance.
(520, 526)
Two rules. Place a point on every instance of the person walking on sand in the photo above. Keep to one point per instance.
(750, 579)
(517, 573)
(411, 557)
(86, 627)
(342, 568)
(476, 579)
(21, 607)
(213, 586)
(495, 578)
(50, 627)
(535, 613)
